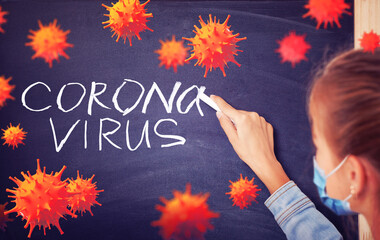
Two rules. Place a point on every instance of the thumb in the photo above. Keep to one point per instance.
(226, 108)
(228, 127)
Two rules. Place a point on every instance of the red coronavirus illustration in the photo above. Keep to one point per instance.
(13, 136)
(214, 45)
(243, 192)
(370, 41)
(41, 199)
(85, 194)
(326, 11)
(172, 53)
(2, 19)
(293, 48)
(49, 42)
(185, 216)
(4, 218)
(5, 90)
(127, 18)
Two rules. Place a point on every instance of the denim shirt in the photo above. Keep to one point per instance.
(297, 215)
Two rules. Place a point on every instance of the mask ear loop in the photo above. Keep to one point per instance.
(348, 197)
(352, 193)
(337, 168)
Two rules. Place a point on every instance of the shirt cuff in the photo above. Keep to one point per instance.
(287, 201)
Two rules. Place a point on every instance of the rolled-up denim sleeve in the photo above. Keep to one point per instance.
(297, 215)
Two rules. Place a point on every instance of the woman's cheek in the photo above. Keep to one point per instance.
(336, 187)
(333, 187)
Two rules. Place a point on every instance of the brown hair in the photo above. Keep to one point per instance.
(349, 89)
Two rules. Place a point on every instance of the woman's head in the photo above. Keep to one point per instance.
(344, 111)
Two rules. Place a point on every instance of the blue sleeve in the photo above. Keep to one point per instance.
(297, 215)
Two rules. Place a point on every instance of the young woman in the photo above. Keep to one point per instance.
(344, 113)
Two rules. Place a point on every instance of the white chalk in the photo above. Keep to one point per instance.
(209, 101)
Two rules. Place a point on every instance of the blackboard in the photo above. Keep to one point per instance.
(133, 181)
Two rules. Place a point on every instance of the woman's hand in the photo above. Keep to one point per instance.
(252, 138)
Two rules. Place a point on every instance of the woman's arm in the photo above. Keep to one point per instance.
(297, 215)
(252, 138)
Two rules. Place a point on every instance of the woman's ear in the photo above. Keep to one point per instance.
(357, 175)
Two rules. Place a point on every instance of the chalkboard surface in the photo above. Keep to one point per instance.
(133, 181)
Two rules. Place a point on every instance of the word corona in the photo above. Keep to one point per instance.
(99, 88)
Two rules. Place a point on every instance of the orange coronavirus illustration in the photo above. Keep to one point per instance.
(214, 45)
(185, 216)
(85, 194)
(326, 11)
(293, 48)
(4, 218)
(127, 18)
(5, 90)
(13, 136)
(172, 53)
(243, 192)
(49, 42)
(370, 41)
(41, 199)
(2, 19)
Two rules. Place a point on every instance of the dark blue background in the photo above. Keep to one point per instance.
(134, 181)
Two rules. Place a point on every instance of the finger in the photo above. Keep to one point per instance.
(270, 134)
(228, 127)
(263, 122)
(226, 108)
(255, 118)
(270, 129)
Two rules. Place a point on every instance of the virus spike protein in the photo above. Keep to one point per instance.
(214, 45)
(326, 11)
(172, 53)
(4, 218)
(49, 42)
(185, 216)
(13, 136)
(41, 199)
(5, 90)
(2, 19)
(243, 192)
(370, 41)
(293, 48)
(85, 194)
(127, 18)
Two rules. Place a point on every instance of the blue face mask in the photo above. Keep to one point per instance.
(340, 207)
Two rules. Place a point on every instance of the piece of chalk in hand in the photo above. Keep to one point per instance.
(209, 101)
